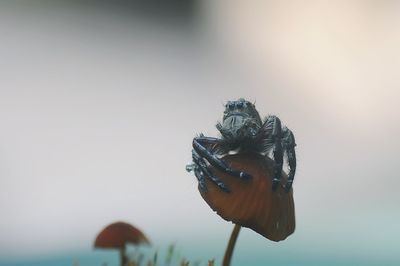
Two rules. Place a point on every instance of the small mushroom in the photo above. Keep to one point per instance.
(252, 203)
(117, 235)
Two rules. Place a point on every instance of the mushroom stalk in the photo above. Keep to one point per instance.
(123, 257)
(231, 245)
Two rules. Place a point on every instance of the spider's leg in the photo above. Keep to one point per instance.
(274, 123)
(198, 146)
(289, 144)
(205, 171)
(200, 167)
(200, 178)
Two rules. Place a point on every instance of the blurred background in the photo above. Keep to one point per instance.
(99, 102)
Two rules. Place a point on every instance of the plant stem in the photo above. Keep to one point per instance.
(231, 245)
(123, 258)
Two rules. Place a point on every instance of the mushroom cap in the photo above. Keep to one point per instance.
(118, 234)
(252, 203)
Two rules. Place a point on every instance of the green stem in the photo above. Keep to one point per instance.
(231, 245)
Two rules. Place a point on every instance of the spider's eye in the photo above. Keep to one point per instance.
(239, 105)
(231, 105)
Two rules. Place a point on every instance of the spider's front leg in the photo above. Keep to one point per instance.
(201, 171)
(202, 153)
(200, 148)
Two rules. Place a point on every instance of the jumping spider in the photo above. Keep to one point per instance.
(242, 130)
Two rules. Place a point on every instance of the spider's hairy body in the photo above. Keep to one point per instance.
(242, 130)
(240, 124)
